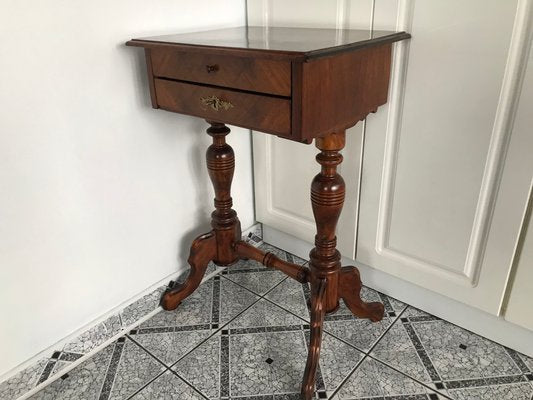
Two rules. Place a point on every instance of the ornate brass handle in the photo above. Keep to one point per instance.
(215, 103)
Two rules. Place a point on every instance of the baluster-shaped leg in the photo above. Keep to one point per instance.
(216, 245)
(221, 165)
(327, 198)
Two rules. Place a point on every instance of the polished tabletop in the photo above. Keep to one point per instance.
(307, 42)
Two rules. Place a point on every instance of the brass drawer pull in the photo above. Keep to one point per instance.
(215, 103)
(211, 68)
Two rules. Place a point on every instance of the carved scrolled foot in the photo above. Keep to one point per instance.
(350, 292)
(318, 293)
(203, 250)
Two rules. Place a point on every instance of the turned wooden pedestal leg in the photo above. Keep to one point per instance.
(328, 281)
(217, 245)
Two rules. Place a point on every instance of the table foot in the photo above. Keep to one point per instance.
(203, 250)
(350, 291)
(318, 291)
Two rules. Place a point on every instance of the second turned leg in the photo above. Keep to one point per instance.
(327, 198)
(329, 282)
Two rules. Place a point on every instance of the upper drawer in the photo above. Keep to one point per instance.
(245, 73)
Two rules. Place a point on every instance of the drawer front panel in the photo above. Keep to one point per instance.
(245, 73)
(262, 113)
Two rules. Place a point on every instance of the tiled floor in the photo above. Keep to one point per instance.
(244, 334)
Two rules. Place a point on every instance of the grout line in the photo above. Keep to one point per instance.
(147, 384)
(410, 377)
(250, 290)
(348, 376)
(100, 347)
(189, 384)
(394, 368)
(286, 309)
(147, 351)
(375, 342)
(213, 334)
(365, 354)
(221, 327)
(386, 331)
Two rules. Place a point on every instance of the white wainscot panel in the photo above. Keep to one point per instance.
(433, 162)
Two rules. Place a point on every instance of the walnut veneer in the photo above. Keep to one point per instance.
(300, 84)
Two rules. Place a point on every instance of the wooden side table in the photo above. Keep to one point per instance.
(299, 84)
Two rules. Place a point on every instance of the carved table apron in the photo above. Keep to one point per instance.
(299, 84)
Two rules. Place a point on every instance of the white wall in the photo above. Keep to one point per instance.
(100, 195)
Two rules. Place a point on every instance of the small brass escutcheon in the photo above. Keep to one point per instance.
(215, 103)
(211, 68)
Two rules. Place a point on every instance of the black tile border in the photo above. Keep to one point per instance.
(109, 379)
(224, 366)
(517, 360)
(47, 371)
(266, 329)
(479, 382)
(422, 354)
(215, 299)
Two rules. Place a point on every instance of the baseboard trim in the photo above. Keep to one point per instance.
(489, 326)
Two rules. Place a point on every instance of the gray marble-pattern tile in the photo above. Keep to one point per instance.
(95, 336)
(363, 333)
(194, 310)
(337, 360)
(133, 367)
(459, 354)
(258, 281)
(83, 382)
(201, 367)
(233, 300)
(243, 265)
(142, 306)
(397, 350)
(375, 380)
(23, 381)
(290, 294)
(267, 363)
(264, 314)
(168, 347)
(167, 387)
(517, 391)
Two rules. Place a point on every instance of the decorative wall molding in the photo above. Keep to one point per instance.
(501, 132)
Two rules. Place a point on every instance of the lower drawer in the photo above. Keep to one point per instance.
(263, 113)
